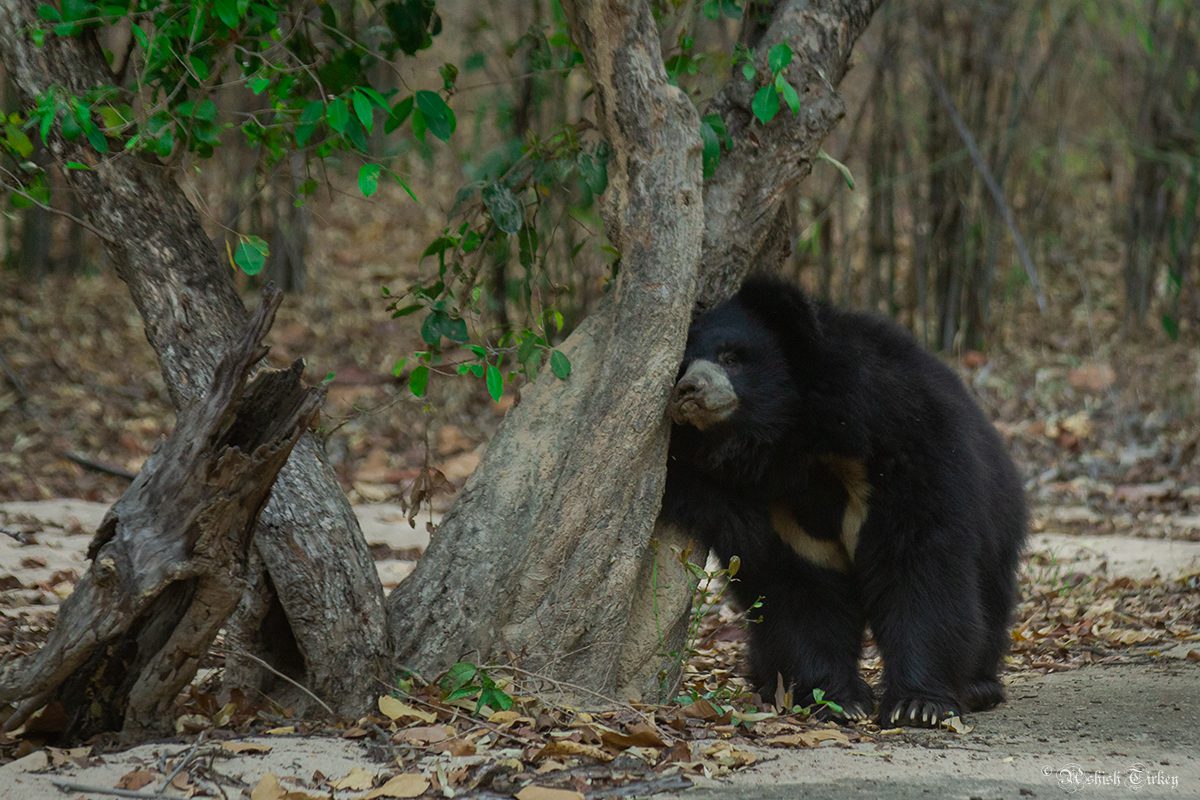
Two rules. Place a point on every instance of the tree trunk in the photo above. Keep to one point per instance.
(167, 559)
(308, 537)
(555, 519)
(548, 558)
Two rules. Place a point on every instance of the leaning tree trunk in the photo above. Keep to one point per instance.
(550, 558)
(168, 559)
(317, 569)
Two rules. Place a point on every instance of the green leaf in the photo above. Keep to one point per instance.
(407, 189)
(398, 367)
(73, 165)
(1171, 326)
(338, 115)
(368, 179)
(17, 141)
(458, 676)
(48, 13)
(749, 71)
(765, 104)
(399, 113)
(495, 382)
(495, 699)
(594, 172)
(363, 109)
(439, 117)
(560, 365)
(711, 154)
(788, 93)
(506, 210)
(779, 57)
(227, 12)
(251, 255)
(418, 381)
(404, 312)
(259, 85)
(847, 175)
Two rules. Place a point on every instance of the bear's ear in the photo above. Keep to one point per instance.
(784, 308)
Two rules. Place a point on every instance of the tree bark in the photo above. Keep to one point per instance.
(167, 559)
(555, 519)
(550, 558)
(742, 226)
(308, 537)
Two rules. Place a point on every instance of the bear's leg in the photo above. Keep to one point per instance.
(924, 610)
(998, 592)
(810, 634)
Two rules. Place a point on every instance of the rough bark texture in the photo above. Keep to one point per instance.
(743, 228)
(167, 559)
(548, 558)
(542, 556)
(308, 537)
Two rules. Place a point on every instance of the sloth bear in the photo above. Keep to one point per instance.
(858, 483)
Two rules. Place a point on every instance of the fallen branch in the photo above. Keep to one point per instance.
(168, 559)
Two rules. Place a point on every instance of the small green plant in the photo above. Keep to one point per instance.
(819, 702)
(766, 100)
(465, 680)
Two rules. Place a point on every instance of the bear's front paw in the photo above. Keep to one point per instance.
(916, 711)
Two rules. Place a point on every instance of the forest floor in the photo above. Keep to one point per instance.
(1104, 696)
(1105, 669)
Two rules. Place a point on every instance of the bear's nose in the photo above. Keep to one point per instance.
(692, 384)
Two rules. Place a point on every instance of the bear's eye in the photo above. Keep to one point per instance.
(728, 358)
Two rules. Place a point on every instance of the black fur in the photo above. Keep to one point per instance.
(934, 567)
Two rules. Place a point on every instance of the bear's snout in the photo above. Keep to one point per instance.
(703, 397)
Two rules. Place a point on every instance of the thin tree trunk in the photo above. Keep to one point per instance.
(308, 537)
(548, 557)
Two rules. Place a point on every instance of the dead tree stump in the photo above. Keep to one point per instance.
(168, 559)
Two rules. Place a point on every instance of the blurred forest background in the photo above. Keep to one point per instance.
(1021, 191)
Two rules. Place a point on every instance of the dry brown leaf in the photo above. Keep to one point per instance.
(812, 738)
(457, 747)
(1093, 378)
(283, 730)
(409, 784)
(75, 755)
(640, 734)
(392, 708)
(701, 709)
(267, 788)
(425, 734)
(565, 747)
(727, 755)
(507, 717)
(136, 779)
(956, 724)
(183, 782)
(532, 792)
(245, 747)
(356, 780)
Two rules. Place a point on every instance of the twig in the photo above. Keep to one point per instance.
(278, 674)
(65, 214)
(97, 466)
(71, 786)
(183, 762)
